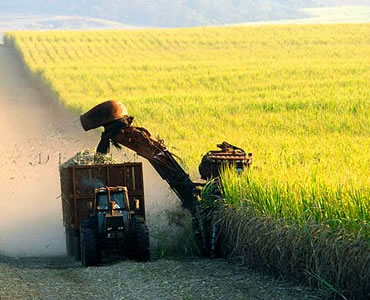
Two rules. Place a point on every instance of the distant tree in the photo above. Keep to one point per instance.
(165, 13)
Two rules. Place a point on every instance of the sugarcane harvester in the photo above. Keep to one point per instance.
(119, 130)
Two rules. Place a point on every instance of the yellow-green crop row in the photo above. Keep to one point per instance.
(298, 97)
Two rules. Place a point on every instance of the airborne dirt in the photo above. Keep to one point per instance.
(33, 133)
(36, 134)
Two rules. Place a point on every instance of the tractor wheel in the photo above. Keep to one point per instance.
(131, 239)
(142, 242)
(131, 245)
(89, 243)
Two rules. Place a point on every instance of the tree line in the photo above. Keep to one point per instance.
(165, 13)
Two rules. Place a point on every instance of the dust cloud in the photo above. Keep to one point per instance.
(37, 133)
(165, 216)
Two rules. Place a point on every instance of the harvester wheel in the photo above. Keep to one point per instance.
(89, 243)
(142, 242)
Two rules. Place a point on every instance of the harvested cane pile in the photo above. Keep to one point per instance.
(90, 157)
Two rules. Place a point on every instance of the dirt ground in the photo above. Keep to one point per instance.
(36, 132)
(63, 278)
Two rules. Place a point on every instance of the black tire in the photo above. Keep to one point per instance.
(142, 242)
(69, 243)
(77, 246)
(89, 243)
(131, 245)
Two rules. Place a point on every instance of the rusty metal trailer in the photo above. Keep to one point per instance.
(78, 184)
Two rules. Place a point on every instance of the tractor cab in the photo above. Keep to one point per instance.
(112, 208)
(113, 227)
(111, 200)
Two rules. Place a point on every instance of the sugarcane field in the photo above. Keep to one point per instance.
(217, 151)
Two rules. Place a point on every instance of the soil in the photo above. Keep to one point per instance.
(64, 278)
(36, 134)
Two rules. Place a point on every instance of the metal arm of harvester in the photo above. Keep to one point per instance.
(119, 130)
(139, 140)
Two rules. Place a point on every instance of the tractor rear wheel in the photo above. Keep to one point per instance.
(89, 243)
(131, 245)
(142, 242)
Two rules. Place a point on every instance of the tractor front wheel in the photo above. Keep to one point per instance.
(89, 243)
(142, 242)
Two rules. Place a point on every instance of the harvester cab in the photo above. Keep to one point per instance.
(113, 227)
(212, 161)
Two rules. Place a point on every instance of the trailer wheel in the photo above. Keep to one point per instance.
(142, 242)
(89, 243)
(69, 243)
